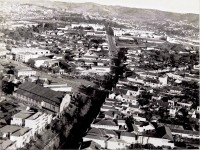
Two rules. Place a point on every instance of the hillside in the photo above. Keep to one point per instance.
(126, 13)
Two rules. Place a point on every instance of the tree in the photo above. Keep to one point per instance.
(7, 87)
(31, 63)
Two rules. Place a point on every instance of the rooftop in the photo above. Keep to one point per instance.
(21, 132)
(9, 129)
(107, 122)
(23, 114)
(40, 93)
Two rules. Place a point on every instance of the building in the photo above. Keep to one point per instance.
(115, 143)
(25, 56)
(130, 138)
(45, 98)
(25, 72)
(40, 61)
(38, 121)
(34, 120)
(105, 124)
(36, 51)
(59, 87)
(16, 133)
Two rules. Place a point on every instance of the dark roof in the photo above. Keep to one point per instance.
(105, 122)
(160, 103)
(40, 93)
(164, 132)
(95, 131)
(90, 145)
(185, 131)
(125, 133)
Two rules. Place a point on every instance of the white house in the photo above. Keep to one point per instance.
(59, 87)
(141, 127)
(172, 112)
(155, 141)
(97, 139)
(128, 137)
(25, 56)
(36, 51)
(40, 61)
(21, 137)
(105, 124)
(34, 120)
(38, 121)
(101, 69)
(25, 72)
(114, 143)
(18, 134)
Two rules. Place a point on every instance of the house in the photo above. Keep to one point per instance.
(45, 98)
(135, 79)
(102, 132)
(97, 139)
(24, 72)
(173, 111)
(198, 109)
(186, 133)
(112, 114)
(164, 132)
(128, 90)
(155, 141)
(149, 75)
(163, 80)
(25, 56)
(152, 83)
(34, 120)
(101, 69)
(36, 51)
(122, 123)
(51, 63)
(90, 145)
(143, 127)
(175, 90)
(106, 108)
(59, 87)
(115, 143)
(38, 121)
(40, 61)
(138, 118)
(105, 124)
(184, 104)
(174, 76)
(22, 136)
(18, 134)
(130, 138)
(19, 118)
(7, 144)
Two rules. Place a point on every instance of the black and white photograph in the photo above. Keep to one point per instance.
(99, 74)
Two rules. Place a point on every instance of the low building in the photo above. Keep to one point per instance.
(45, 98)
(25, 56)
(18, 134)
(36, 51)
(25, 72)
(59, 87)
(40, 61)
(115, 143)
(130, 138)
(34, 120)
(105, 124)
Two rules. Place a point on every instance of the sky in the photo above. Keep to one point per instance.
(179, 6)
